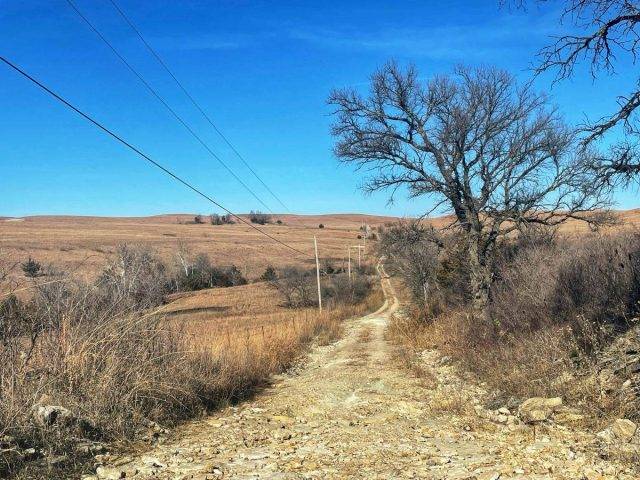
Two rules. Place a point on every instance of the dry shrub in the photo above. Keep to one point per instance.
(555, 306)
(591, 285)
(298, 287)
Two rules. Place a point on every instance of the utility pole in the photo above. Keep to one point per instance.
(315, 245)
(349, 251)
(359, 247)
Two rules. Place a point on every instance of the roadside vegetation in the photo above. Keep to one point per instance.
(561, 313)
(84, 364)
(498, 289)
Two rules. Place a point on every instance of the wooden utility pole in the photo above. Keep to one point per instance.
(349, 251)
(315, 245)
(359, 247)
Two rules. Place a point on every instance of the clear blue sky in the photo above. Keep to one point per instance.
(261, 69)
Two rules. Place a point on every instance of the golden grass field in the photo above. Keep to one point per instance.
(210, 347)
(83, 244)
(205, 349)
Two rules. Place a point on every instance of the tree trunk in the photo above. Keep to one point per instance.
(480, 278)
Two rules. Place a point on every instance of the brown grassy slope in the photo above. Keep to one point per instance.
(82, 244)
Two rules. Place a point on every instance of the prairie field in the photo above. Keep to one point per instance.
(83, 244)
(118, 356)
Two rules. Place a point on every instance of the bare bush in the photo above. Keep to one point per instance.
(432, 265)
(592, 287)
(340, 290)
(296, 286)
(136, 278)
(556, 304)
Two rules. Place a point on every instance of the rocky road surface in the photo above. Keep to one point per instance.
(350, 411)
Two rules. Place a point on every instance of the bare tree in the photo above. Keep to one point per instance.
(414, 249)
(481, 147)
(609, 32)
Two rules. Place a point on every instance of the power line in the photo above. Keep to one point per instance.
(164, 103)
(193, 101)
(142, 154)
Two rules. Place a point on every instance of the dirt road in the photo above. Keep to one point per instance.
(351, 412)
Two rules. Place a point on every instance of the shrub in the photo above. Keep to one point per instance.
(259, 217)
(201, 274)
(593, 287)
(414, 250)
(296, 286)
(269, 274)
(198, 219)
(136, 278)
(339, 290)
(279, 222)
(31, 268)
(321, 226)
(555, 305)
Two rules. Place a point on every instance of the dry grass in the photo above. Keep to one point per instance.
(117, 368)
(551, 327)
(84, 244)
(119, 373)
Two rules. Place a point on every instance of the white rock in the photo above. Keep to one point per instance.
(538, 409)
(46, 415)
(624, 429)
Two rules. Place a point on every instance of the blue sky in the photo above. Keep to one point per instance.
(261, 69)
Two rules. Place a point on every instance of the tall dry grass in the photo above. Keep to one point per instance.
(556, 307)
(117, 367)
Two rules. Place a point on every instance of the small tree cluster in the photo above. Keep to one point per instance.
(259, 217)
(217, 219)
(200, 274)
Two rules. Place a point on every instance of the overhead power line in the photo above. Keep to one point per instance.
(139, 152)
(164, 103)
(193, 100)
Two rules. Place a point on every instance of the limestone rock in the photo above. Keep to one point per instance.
(624, 429)
(538, 409)
(47, 415)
